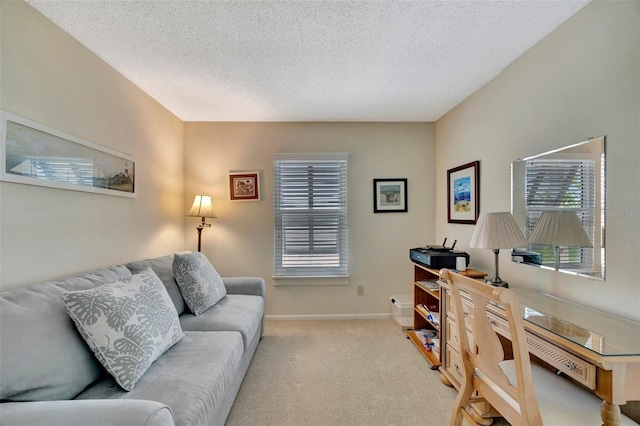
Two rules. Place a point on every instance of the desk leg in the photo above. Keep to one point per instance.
(610, 414)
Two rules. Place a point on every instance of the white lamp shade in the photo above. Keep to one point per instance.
(497, 231)
(559, 228)
(202, 207)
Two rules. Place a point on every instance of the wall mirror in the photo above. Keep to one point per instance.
(567, 183)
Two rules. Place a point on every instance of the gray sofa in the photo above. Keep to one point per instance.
(49, 376)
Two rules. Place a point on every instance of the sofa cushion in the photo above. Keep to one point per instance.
(199, 282)
(162, 267)
(127, 324)
(193, 377)
(42, 356)
(236, 312)
(101, 412)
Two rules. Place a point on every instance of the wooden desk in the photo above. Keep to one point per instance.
(597, 350)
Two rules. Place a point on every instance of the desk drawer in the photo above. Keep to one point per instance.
(452, 335)
(500, 325)
(467, 308)
(454, 364)
(574, 367)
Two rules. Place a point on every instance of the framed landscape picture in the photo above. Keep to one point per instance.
(390, 196)
(244, 186)
(35, 154)
(463, 193)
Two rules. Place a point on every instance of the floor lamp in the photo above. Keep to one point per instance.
(203, 208)
(497, 231)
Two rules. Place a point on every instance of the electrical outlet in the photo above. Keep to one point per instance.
(360, 290)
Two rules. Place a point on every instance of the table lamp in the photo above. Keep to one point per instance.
(559, 229)
(203, 208)
(497, 231)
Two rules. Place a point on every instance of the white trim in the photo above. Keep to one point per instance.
(293, 280)
(328, 317)
(310, 156)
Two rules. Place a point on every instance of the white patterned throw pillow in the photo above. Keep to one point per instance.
(127, 324)
(199, 283)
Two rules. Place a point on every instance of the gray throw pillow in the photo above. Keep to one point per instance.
(127, 324)
(199, 283)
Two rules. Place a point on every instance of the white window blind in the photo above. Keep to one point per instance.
(310, 206)
(562, 184)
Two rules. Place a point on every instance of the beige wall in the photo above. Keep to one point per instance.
(240, 241)
(48, 77)
(582, 80)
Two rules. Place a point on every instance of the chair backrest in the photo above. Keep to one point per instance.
(516, 402)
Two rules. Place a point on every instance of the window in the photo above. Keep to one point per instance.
(562, 184)
(310, 206)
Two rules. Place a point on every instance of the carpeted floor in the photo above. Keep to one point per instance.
(351, 373)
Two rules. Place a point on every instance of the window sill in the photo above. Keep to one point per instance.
(312, 280)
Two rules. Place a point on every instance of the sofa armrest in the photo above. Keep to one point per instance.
(244, 285)
(100, 412)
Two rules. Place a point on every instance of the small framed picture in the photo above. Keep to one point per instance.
(463, 193)
(244, 186)
(390, 196)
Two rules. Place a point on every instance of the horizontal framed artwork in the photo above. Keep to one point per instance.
(463, 193)
(35, 154)
(244, 186)
(390, 196)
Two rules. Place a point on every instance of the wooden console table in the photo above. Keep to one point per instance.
(597, 350)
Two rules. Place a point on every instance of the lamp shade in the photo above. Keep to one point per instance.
(202, 207)
(497, 231)
(559, 228)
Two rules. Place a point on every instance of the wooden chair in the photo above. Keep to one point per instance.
(522, 392)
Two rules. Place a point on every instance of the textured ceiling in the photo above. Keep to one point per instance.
(308, 60)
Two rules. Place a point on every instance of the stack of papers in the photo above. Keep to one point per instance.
(431, 285)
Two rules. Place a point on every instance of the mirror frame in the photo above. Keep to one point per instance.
(519, 206)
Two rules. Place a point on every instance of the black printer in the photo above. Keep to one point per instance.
(437, 257)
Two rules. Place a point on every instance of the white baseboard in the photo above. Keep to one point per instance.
(328, 317)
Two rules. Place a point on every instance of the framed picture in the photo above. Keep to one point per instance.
(390, 196)
(35, 154)
(463, 193)
(244, 186)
